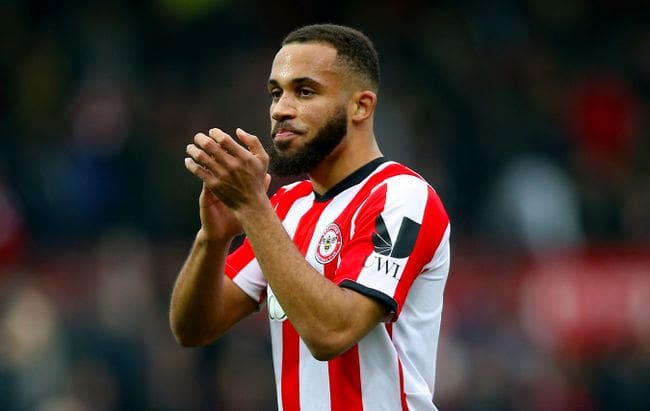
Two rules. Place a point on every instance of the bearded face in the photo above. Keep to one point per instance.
(285, 161)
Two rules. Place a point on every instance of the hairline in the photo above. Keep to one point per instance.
(354, 75)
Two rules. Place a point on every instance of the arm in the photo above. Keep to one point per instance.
(205, 303)
(330, 319)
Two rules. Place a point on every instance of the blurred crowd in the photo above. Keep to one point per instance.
(530, 118)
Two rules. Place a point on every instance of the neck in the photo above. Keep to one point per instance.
(343, 161)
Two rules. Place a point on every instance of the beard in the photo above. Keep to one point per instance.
(328, 137)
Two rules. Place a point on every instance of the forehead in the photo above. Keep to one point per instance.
(312, 60)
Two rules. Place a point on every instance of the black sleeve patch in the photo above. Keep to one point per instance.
(408, 233)
(403, 244)
(384, 299)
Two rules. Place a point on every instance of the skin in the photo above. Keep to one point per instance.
(307, 85)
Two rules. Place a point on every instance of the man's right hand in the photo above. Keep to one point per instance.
(218, 223)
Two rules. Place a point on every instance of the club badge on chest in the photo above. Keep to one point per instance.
(329, 244)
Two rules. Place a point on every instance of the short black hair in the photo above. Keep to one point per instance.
(352, 46)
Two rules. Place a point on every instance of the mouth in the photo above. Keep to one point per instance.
(285, 133)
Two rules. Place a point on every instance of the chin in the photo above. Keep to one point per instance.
(286, 147)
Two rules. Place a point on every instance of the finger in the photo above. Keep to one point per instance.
(252, 142)
(209, 195)
(196, 169)
(227, 143)
(201, 157)
(267, 181)
(212, 148)
(210, 190)
(206, 143)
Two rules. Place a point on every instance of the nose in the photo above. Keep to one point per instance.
(284, 108)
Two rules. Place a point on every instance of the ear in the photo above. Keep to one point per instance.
(363, 105)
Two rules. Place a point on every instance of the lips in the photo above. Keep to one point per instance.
(284, 133)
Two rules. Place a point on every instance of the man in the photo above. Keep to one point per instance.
(351, 263)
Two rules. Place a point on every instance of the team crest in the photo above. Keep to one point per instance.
(329, 244)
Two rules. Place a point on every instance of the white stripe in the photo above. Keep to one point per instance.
(409, 194)
(276, 337)
(314, 382)
(418, 329)
(297, 210)
(251, 280)
(379, 374)
(443, 253)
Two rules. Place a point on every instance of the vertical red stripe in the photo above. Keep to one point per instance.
(345, 381)
(306, 227)
(290, 368)
(329, 269)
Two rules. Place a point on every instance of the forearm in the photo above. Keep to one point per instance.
(197, 296)
(328, 318)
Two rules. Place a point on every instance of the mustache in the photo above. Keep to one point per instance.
(285, 125)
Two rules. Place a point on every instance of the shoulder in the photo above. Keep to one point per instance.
(391, 170)
(401, 181)
(399, 190)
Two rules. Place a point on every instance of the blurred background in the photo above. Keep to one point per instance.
(530, 118)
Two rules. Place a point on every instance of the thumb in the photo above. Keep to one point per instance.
(252, 142)
(267, 181)
(207, 197)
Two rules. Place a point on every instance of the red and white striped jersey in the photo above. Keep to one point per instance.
(382, 232)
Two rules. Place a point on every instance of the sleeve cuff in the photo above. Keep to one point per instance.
(383, 299)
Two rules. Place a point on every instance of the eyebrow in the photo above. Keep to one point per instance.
(300, 81)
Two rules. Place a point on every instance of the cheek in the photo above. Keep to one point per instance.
(315, 117)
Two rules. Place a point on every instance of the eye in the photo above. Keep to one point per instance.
(305, 92)
(275, 93)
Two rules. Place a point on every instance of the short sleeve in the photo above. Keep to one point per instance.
(242, 267)
(399, 232)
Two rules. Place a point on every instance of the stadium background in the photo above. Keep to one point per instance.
(529, 117)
